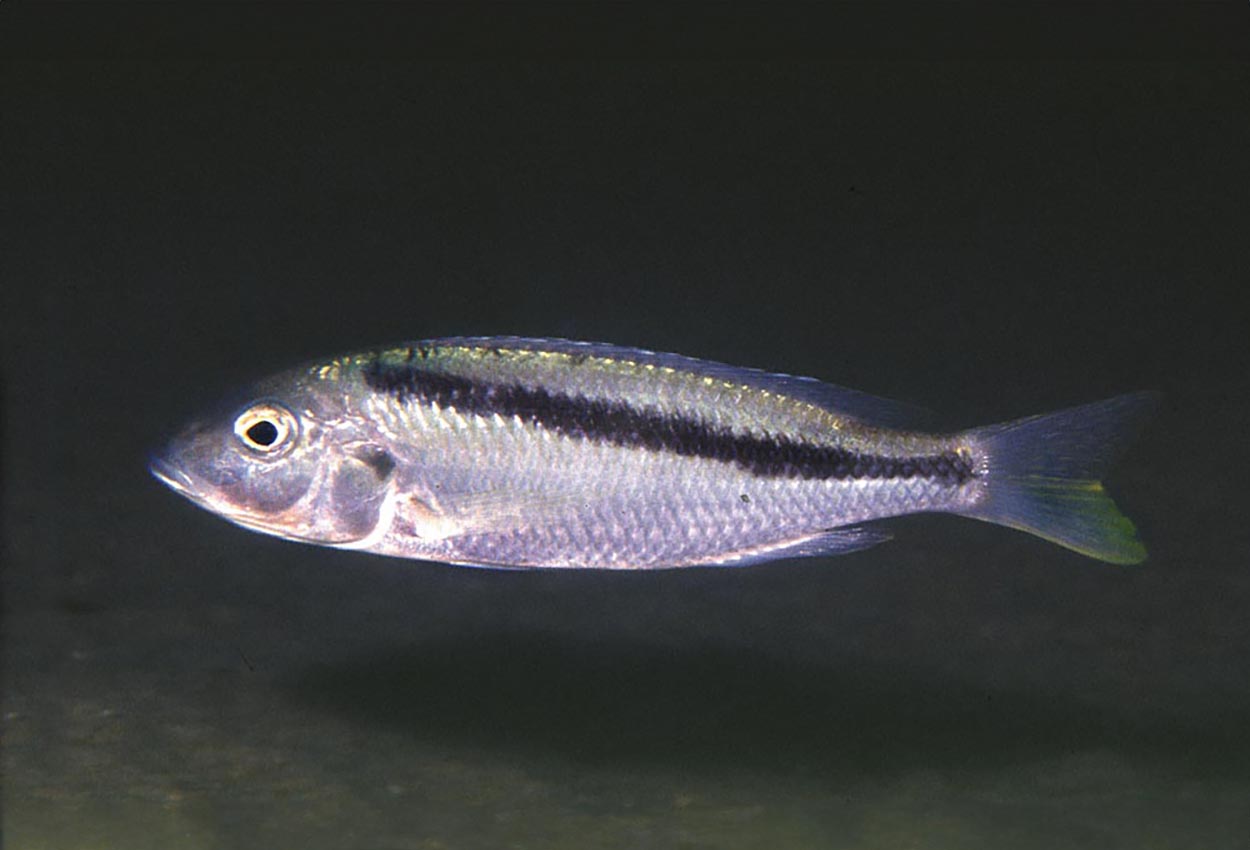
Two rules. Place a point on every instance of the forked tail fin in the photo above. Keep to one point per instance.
(1044, 476)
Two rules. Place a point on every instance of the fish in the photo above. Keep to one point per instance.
(514, 452)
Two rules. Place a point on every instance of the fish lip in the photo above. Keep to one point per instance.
(171, 476)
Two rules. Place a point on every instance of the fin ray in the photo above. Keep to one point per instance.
(1044, 476)
(864, 407)
(835, 541)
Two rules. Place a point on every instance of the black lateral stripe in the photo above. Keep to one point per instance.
(620, 424)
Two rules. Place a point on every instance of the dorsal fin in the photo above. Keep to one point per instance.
(864, 407)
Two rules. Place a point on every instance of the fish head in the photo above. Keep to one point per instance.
(293, 465)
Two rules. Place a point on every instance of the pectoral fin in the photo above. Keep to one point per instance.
(485, 511)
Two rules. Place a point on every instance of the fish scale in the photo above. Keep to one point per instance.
(516, 452)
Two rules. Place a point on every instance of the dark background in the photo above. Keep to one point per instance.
(988, 212)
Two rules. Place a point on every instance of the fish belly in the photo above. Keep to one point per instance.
(508, 496)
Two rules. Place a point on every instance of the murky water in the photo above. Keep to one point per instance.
(288, 696)
(990, 239)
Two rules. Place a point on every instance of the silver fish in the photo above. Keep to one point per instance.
(514, 452)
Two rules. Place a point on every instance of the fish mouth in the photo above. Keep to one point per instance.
(170, 475)
(181, 483)
(175, 479)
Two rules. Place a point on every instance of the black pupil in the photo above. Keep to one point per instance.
(263, 433)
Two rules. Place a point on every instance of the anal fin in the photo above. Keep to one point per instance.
(836, 541)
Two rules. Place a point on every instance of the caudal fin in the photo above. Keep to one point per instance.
(1045, 476)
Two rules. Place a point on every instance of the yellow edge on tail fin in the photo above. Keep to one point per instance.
(1044, 476)
(1076, 514)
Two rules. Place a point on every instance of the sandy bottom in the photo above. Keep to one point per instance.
(526, 740)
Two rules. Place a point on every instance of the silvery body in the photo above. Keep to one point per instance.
(513, 452)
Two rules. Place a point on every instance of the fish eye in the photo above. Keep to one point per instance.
(266, 428)
(263, 433)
